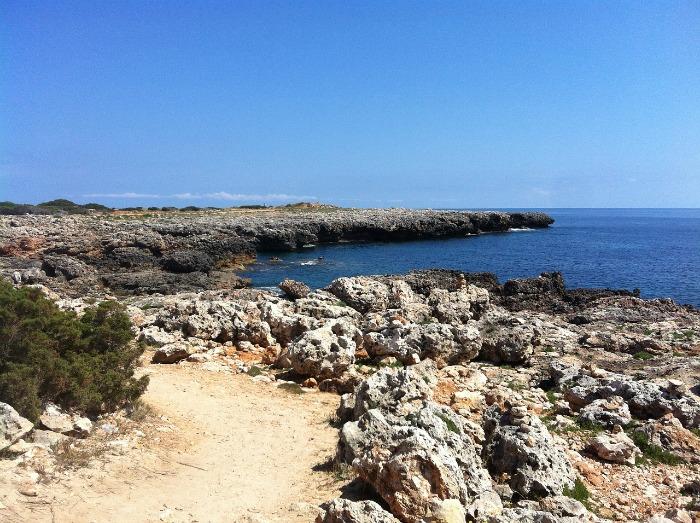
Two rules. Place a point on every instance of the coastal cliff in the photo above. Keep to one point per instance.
(166, 253)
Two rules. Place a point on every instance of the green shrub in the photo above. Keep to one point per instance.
(579, 492)
(451, 425)
(46, 354)
(643, 355)
(653, 453)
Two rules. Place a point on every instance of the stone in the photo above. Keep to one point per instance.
(48, 438)
(362, 293)
(186, 261)
(616, 448)
(55, 419)
(668, 433)
(342, 510)
(294, 289)
(171, 353)
(537, 466)
(606, 411)
(12, 426)
(156, 337)
(325, 352)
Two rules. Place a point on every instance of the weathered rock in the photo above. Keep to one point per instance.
(616, 447)
(171, 353)
(668, 433)
(520, 445)
(459, 306)
(413, 463)
(345, 511)
(507, 339)
(60, 265)
(294, 289)
(646, 399)
(607, 411)
(325, 352)
(156, 337)
(362, 293)
(12, 426)
(187, 261)
(55, 419)
(48, 438)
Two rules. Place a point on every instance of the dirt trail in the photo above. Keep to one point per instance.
(242, 451)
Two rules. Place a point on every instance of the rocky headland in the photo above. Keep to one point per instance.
(459, 398)
(144, 253)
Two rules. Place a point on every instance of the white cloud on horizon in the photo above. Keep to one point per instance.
(220, 195)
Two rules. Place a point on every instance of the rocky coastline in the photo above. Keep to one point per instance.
(132, 253)
(460, 398)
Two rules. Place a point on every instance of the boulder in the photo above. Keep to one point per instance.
(459, 306)
(12, 426)
(171, 353)
(342, 510)
(55, 419)
(519, 444)
(325, 352)
(616, 447)
(507, 339)
(362, 293)
(668, 433)
(606, 411)
(294, 289)
(156, 337)
(415, 461)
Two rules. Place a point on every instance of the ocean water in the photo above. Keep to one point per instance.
(654, 250)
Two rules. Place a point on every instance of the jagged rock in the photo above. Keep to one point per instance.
(345, 511)
(171, 353)
(607, 411)
(294, 289)
(325, 352)
(55, 419)
(60, 265)
(445, 344)
(412, 462)
(507, 339)
(646, 399)
(616, 447)
(668, 433)
(362, 293)
(459, 306)
(156, 337)
(187, 261)
(12, 426)
(520, 445)
(48, 438)
(399, 391)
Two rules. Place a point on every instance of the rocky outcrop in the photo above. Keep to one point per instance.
(12, 426)
(518, 444)
(645, 398)
(294, 289)
(616, 447)
(172, 253)
(345, 511)
(325, 352)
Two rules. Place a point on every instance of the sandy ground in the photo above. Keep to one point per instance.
(241, 452)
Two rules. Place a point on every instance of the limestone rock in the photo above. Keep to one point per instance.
(520, 445)
(606, 411)
(345, 511)
(325, 352)
(171, 353)
(616, 447)
(294, 289)
(12, 426)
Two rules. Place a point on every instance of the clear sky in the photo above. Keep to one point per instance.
(364, 103)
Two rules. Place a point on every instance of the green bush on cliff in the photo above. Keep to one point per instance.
(46, 354)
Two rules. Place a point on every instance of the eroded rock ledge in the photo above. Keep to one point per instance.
(167, 254)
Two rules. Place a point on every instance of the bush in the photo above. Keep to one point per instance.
(46, 354)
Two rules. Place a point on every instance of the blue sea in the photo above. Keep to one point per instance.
(655, 250)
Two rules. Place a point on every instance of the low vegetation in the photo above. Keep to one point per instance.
(653, 453)
(84, 363)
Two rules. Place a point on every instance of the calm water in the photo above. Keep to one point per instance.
(655, 250)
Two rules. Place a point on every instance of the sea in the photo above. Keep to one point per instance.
(654, 250)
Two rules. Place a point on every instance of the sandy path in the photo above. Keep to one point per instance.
(243, 451)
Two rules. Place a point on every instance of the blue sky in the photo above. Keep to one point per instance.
(367, 103)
